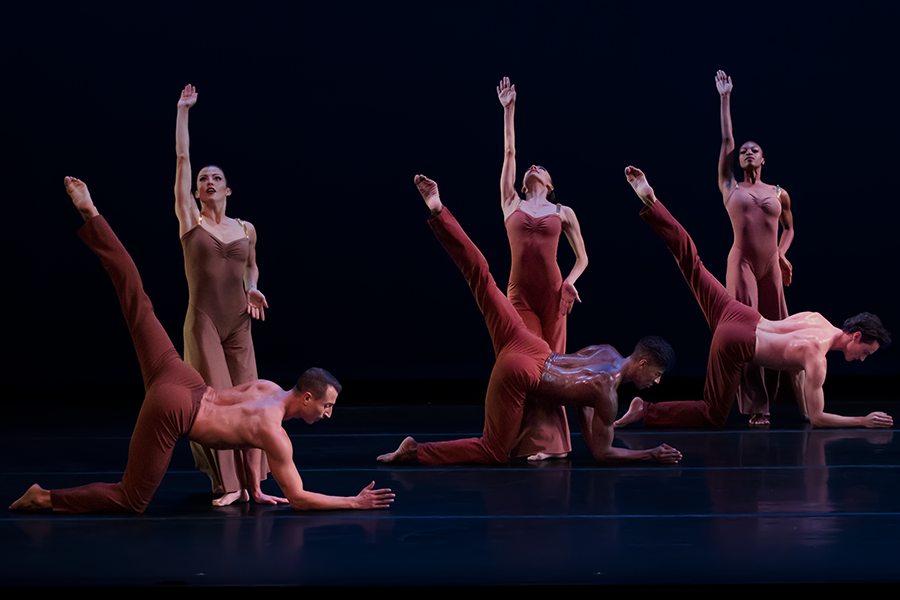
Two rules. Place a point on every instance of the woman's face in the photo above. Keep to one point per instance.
(750, 155)
(211, 184)
(536, 176)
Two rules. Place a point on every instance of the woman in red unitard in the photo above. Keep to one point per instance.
(757, 266)
(536, 287)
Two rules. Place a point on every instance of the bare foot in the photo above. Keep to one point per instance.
(81, 197)
(232, 497)
(406, 452)
(429, 191)
(35, 498)
(759, 420)
(636, 411)
(546, 455)
(638, 181)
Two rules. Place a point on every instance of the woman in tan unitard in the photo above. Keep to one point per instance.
(757, 266)
(220, 264)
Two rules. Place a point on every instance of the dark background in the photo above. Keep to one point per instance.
(321, 113)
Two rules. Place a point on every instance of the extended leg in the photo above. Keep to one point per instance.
(173, 389)
(520, 354)
(733, 324)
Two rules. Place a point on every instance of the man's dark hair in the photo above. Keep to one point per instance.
(871, 328)
(655, 351)
(316, 382)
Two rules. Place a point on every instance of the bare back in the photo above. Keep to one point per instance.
(791, 344)
(241, 417)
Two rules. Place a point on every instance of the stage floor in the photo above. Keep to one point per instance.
(783, 505)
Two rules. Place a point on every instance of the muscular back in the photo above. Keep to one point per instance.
(245, 416)
(795, 342)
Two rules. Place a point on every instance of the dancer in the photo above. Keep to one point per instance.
(527, 371)
(179, 404)
(741, 335)
(220, 264)
(757, 265)
(536, 288)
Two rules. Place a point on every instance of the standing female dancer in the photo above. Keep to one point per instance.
(220, 264)
(536, 287)
(757, 265)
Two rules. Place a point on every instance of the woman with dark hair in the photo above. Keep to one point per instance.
(757, 266)
(536, 287)
(220, 265)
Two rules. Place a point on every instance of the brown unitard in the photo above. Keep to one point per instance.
(217, 340)
(173, 391)
(535, 291)
(754, 278)
(733, 326)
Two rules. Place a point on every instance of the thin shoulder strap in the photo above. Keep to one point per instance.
(244, 225)
(558, 207)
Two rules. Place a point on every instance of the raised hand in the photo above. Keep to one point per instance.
(666, 454)
(506, 92)
(188, 97)
(568, 298)
(723, 83)
(256, 302)
(370, 498)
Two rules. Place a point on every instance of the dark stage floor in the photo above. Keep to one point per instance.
(787, 505)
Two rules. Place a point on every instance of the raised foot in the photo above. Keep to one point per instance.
(406, 452)
(759, 420)
(638, 182)
(232, 497)
(35, 498)
(81, 197)
(547, 455)
(636, 411)
(429, 191)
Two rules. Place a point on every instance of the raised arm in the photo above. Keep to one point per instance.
(787, 236)
(280, 455)
(256, 301)
(185, 206)
(814, 398)
(726, 153)
(599, 437)
(506, 92)
(573, 234)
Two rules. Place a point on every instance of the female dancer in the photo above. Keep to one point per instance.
(757, 265)
(220, 264)
(536, 287)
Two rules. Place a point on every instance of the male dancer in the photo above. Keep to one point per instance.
(178, 404)
(741, 335)
(527, 371)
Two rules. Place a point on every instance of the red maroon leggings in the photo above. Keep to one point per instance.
(173, 391)
(520, 357)
(733, 326)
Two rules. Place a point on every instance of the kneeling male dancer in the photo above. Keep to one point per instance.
(179, 404)
(527, 371)
(741, 335)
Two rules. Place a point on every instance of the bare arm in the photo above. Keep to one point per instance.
(185, 206)
(280, 455)
(256, 301)
(573, 233)
(726, 153)
(787, 236)
(599, 437)
(506, 92)
(815, 402)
